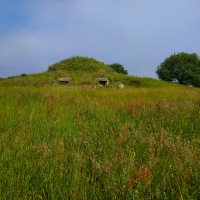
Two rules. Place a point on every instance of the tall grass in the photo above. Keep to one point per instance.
(83, 143)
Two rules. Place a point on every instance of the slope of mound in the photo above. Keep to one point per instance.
(81, 71)
(79, 64)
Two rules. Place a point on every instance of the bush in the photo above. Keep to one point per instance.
(118, 68)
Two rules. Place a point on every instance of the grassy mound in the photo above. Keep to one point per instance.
(82, 71)
(80, 64)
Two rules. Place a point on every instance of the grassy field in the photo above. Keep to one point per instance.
(60, 142)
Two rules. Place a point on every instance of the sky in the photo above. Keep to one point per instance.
(139, 34)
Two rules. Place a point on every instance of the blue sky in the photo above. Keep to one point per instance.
(138, 34)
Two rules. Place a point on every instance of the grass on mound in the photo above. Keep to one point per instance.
(82, 71)
(80, 64)
(79, 78)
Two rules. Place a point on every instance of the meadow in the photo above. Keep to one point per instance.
(61, 142)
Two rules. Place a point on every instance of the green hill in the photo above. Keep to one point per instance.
(80, 64)
(82, 71)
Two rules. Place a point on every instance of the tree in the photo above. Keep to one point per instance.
(23, 75)
(118, 68)
(181, 67)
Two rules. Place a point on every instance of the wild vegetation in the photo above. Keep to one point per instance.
(63, 142)
(83, 143)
